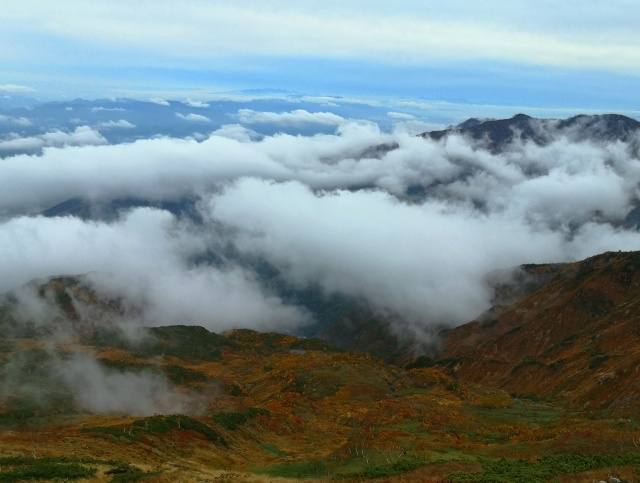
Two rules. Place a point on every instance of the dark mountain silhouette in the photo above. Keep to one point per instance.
(496, 134)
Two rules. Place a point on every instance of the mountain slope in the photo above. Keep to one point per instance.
(574, 339)
(181, 403)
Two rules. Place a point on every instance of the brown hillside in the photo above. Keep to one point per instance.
(576, 338)
(259, 406)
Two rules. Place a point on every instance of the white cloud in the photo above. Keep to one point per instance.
(82, 136)
(15, 89)
(145, 258)
(120, 124)
(163, 168)
(332, 210)
(159, 101)
(337, 100)
(237, 132)
(17, 121)
(193, 117)
(296, 118)
(103, 391)
(401, 116)
(191, 103)
(109, 109)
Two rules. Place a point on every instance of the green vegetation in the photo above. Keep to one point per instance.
(27, 468)
(519, 413)
(305, 469)
(183, 342)
(124, 473)
(119, 434)
(374, 465)
(233, 420)
(525, 471)
(235, 390)
(157, 425)
(182, 375)
(527, 362)
(34, 391)
(595, 355)
(564, 342)
(165, 424)
(174, 373)
(319, 384)
(23, 468)
(393, 469)
(272, 448)
(420, 363)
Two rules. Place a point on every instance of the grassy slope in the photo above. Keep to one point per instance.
(268, 405)
(272, 405)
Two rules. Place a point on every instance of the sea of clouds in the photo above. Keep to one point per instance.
(409, 226)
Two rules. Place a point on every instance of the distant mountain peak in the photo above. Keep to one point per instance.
(496, 134)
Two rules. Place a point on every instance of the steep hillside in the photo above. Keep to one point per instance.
(576, 338)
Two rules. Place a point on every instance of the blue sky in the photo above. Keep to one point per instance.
(542, 55)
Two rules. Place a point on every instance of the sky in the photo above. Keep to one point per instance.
(538, 55)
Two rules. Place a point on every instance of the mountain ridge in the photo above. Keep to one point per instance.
(496, 134)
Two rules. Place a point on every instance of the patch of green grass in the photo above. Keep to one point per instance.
(420, 362)
(125, 473)
(517, 413)
(297, 470)
(233, 420)
(272, 448)
(165, 424)
(181, 341)
(527, 362)
(120, 434)
(597, 361)
(26, 469)
(157, 425)
(235, 390)
(564, 342)
(595, 355)
(375, 464)
(185, 342)
(393, 469)
(181, 375)
(518, 470)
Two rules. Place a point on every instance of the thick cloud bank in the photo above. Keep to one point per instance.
(409, 226)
